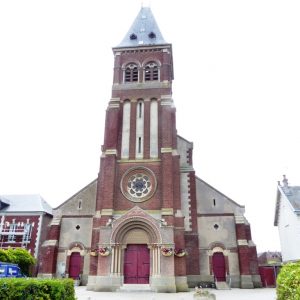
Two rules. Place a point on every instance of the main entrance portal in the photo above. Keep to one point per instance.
(136, 264)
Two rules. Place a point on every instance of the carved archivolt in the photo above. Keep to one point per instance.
(136, 220)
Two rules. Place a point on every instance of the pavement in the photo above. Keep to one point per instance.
(233, 294)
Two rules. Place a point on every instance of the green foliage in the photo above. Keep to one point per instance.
(4, 256)
(36, 289)
(288, 282)
(18, 256)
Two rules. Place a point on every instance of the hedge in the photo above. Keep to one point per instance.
(36, 289)
(288, 282)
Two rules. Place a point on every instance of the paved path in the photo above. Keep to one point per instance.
(234, 294)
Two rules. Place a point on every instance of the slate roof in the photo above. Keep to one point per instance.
(24, 203)
(292, 194)
(143, 31)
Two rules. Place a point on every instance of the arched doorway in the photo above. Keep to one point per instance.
(219, 267)
(74, 265)
(136, 264)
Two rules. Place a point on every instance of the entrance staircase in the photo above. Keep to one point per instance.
(135, 288)
(222, 285)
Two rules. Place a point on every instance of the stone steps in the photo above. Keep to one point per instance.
(222, 285)
(135, 288)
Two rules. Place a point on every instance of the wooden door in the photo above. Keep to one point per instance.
(219, 268)
(74, 265)
(136, 264)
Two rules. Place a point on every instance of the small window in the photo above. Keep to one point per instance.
(140, 145)
(77, 227)
(140, 107)
(152, 35)
(216, 226)
(133, 36)
(151, 72)
(12, 230)
(27, 232)
(79, 204)
(131, 73)
(214, 202)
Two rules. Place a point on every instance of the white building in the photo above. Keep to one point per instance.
(287, 218)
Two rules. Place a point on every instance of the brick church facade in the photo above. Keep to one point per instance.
(147, 218)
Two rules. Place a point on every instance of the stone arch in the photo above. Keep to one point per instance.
(217, 246)
(136, 223)
(131, 61)
(151, 59)
(76, 247)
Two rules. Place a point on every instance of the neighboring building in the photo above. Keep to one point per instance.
(287, 218)
(23, 222)
(269, 258)
(147, 209)
(269, 267)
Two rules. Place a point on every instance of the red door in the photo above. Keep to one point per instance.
(136, 264)
(268, 276)
(219, 269)
(74, 265)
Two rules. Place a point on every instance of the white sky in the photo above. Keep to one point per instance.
(236, 90)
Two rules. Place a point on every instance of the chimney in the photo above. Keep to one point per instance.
(285, 181)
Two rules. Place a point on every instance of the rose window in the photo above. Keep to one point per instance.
(138, 184)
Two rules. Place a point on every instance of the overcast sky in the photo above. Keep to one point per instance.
(236, 90)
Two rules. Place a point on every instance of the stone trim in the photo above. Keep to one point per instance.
(111, 152)
(167, 212)
(139, 160)
(166, 150)
(77, 216)
(50, 243)
(239, 220)
(216, 215)
(107, 212)
(242, 242)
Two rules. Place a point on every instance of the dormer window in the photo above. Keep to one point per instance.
(151, 72)
(131, 73)
(152, 35)
(133, 36)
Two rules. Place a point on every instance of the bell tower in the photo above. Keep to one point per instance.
(139, 178)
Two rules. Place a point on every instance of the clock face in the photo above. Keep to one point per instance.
(138, 184)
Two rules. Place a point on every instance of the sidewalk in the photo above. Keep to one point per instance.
(234, 294)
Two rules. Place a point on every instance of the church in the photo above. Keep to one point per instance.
(148, 219)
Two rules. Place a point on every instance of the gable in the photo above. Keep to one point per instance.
(82, 203)
(212, 201)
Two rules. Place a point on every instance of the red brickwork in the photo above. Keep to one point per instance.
(241, 231)
(244, 260)
(193, 201)
(192, 246)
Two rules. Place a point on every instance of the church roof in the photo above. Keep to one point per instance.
(143, 31)
(24, 203)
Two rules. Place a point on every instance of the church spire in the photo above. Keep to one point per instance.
(143, 31)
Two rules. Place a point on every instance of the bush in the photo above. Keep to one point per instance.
(288, 282)
(36, 289)
(18, 256)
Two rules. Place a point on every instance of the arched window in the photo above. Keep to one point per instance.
(151, 71)
(131, 73)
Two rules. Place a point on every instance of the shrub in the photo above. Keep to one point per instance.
(288, 282)
(36, 289)
(18, 256)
